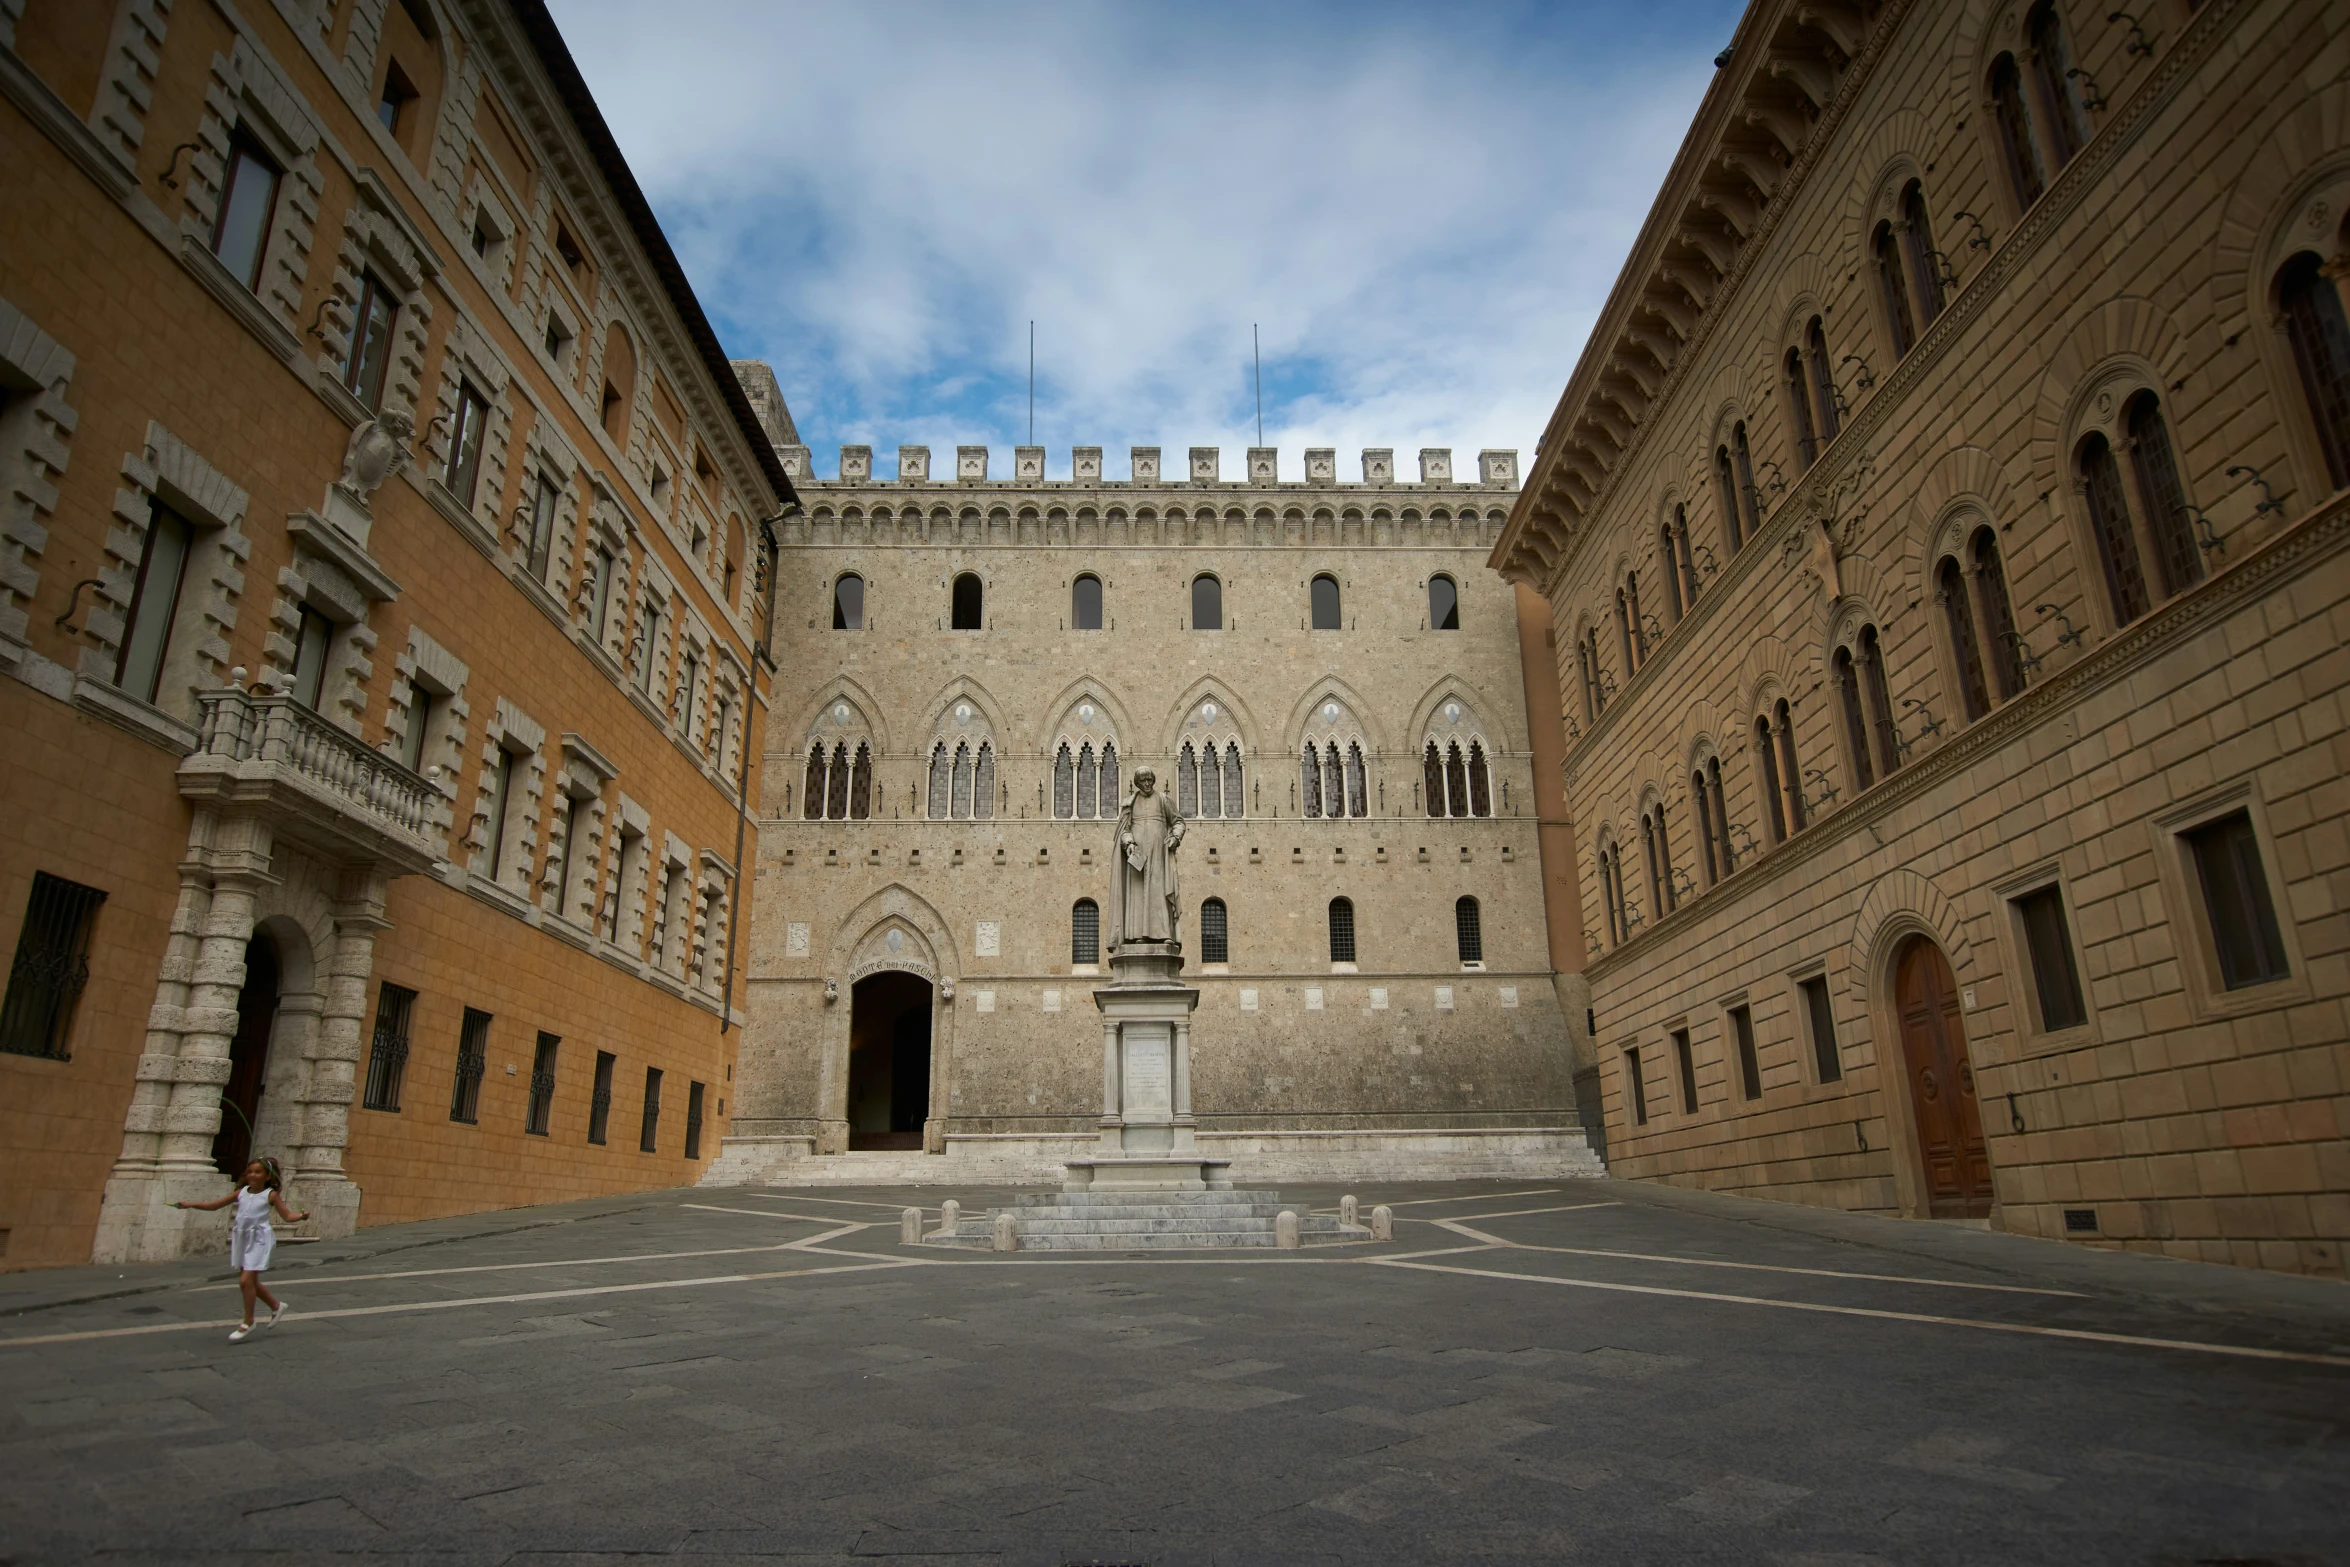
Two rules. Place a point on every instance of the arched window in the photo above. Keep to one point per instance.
(969, 602)
(1665, 553)
(1215, 941)
(1207, 603)
(1772, 793)
(836, 794)
(1893, 289)
(1633, 620)
(2016, 147)
(1087, 780)
(812, 791)
(1085, 603)
(1112, 801)
(1959, 619)
(1807, 441)
(983, 784)
(848, 603)
(1658, 855)
(1480, 782)
(1211, 783)
(861, 784)
(959, 802)
(1333, 782)
(2052, 60)
(1324, 592)
(1432, 779)
(1444, 595)
(1310, 780)
(940, 775)
(1342, 930)
(1705, 827)
(1749, 498)
(1064, 783)
(1456, 781)
(1721, 814)
(1823, 383)
(1085, 931)
(1356, 804)
(1607, 899)
(1683, 560)
(1879, 702)
(1726, 501)
(1856, 728)
(1998, 613)
(1917, 243)
(2163, 495)
(1234, 805)
(1590, 677)
(1187, 780)
(1468, 931)
(2316, 327)
(2109, 518)
(1783, 723)
(1624, 635)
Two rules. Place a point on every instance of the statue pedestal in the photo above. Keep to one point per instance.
(1147, 1140)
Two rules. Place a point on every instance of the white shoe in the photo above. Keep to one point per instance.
(275, 1312)
(238, 1337)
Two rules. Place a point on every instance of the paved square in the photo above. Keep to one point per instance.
(1534, 1371)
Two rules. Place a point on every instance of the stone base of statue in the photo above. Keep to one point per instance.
(1147, 1138)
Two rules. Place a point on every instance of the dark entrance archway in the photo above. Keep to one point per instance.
(1941, 1083)
(248, 1056)
(889, 1061)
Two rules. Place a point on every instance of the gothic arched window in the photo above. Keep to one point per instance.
(983, 784)
(1324, 593)
(2109, 520)
(848, 603)
(969, 603)
(940, 781)
(1064, 783)
(1187, 781)
(1309, 777)
(1456, 781)
(1112, 801)
(1444, 594)
(1356, 804)
(1211, 782)
(1333, 782)
(1480, 781)
(812, 791)
(1085, 603)
(1432, 775)
(836, 794)
(861, 784)
(959, 806)
(1087, 780)
(2319, 333)
(1234, 804)
(2016, 146)
(1207, 603)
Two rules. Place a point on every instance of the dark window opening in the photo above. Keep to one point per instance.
(1207, 604)
(387, 1052)
(248, 202)
(2054, 975)
(473, 1062)
(1822, 1019)
(1085, 604)
(1468, 930)
(2109, 519)
(312, 639)
(2016, 146)
(1635, 1088)
(1215, 943)
(848, 603)
(1085, 932)
(1324, 592)
(600, 1098)
(542, 1086)
(1749, 1064)
(2235, 896)
(465, 442)
(969, 601)
(649, 1136)
(371, 341)
(1444, 604)
(2316, 327)
(1684, 1059)
(51, 967)
(155, 597)
(391, 108)
(694, 1093)
(2165, 494)
(1342, 930)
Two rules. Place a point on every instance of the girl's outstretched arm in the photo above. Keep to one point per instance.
(207, 1207)
(278, 1201)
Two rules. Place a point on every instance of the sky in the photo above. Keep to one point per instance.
(1419, 211)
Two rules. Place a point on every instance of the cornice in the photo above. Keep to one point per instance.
(2319, 536)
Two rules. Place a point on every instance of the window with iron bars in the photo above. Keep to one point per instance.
(473, 1059)
(648, 1139)
(52, 965)
(600, 1101)
(693, 1120)
(542, 1087)
(387, 1054)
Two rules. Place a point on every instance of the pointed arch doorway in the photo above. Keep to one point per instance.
(889, 1061)
(1949, 1120)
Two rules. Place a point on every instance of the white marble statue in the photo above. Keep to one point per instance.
(1149, 831)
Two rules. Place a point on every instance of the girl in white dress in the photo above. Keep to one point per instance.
(250, 1239)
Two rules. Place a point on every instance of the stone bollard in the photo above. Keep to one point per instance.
(1348, 1208)
(1285, 1230)
(950, 1216)
(1007, 1233)
(910, 1226)
(1383, 1223)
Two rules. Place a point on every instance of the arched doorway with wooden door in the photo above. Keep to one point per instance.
(889, 1060)
(248, 1056)
(1948, 1119)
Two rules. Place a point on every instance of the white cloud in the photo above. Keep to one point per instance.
(1423, 212)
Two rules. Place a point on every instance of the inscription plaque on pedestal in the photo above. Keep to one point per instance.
(1149, 1083)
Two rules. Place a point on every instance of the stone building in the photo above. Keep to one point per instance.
(1943, 531)
(1328, 682)
(377, 550)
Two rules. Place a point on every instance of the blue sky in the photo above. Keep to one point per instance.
(1421, 209)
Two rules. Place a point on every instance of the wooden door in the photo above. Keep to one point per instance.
(248, 1058)
(1941, 1085)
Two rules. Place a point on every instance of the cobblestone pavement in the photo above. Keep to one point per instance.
(1531, 1371)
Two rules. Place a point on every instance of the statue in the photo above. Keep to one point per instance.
(1149, 831)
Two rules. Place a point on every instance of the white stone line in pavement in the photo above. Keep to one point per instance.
(295, 1317)
(2090, 1335)
(849, 1202)
(1461, 1227)
(1421, 1202)
(304, 1281)
(769, 1213)
(1515, 1213)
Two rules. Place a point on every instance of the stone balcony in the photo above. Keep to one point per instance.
(262, 753)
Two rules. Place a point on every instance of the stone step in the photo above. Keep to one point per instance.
(1145, 1210)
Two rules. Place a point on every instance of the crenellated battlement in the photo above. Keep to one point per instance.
(1496, 469)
